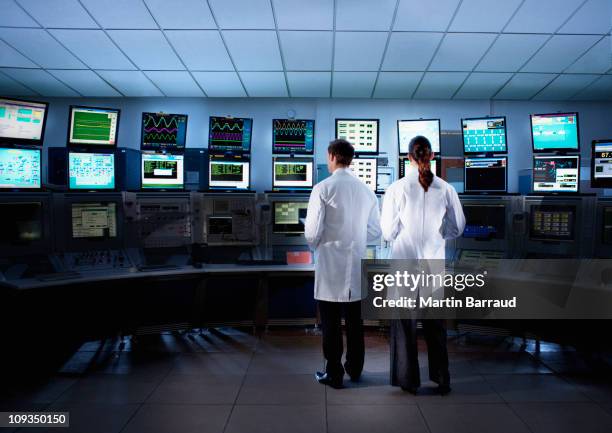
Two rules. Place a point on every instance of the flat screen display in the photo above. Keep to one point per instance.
(601, 164)
(484, 222)
(293, 136)
(408, 129)
(289, 216)
(484, 135)
(486, 174)
(93, 126)
(91, 170)
(366, 169)
(20, 168)
(552, 222)
(405, 165)
(22, 122)
(162, 171)
(21, 222)
(228, 173)
(557, 131)
(229, 134)
(293, 173)
(162, 131)
(361, 133)
(556, 174)
(94, 220)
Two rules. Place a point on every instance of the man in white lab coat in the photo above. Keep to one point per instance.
(343, 216)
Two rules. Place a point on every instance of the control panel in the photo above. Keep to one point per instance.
(97, 260)
(228, 219)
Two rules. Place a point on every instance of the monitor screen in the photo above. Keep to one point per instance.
(366, 169)
(20, 168)
(408, 129)
(362, 134)
(22, 122)
(162, 131)
(93, 126)
(606, 232)
(405, 165)
(293, 173)
(485, 221)
(94, 220)
(293, 136)
(484, 135)
(228, 134)
(162, 171)
(384, 178)
(228, 173)
(219, 225)
(289, 216)
(486, 174)
(21, 222)
(91, 170)
(601, 164)
(556, 174)
(557, 131)
(552, 223)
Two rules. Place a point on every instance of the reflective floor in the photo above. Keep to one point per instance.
(233, 382)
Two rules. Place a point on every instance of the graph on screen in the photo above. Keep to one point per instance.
(96, 126)
(293, 136)
(22, 121)
(161, 131)
(230, 134)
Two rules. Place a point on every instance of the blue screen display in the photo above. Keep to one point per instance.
(554, 131)
(19, 168)
(91, 170)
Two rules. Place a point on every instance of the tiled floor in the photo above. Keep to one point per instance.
(229, 381)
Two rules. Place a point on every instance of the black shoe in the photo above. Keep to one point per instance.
(444, 389)
(411, 389)
(325, 379)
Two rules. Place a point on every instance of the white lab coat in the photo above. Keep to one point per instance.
(343, 216)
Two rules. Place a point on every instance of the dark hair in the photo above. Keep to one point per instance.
(420, 150)
(342, 150)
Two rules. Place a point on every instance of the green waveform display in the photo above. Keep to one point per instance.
(92, 126)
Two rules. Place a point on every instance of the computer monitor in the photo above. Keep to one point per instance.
(20, 168)
(606, 230)
(93, 126)
(95, 220)
(361, 133)
(21, 222)
(482, 175)
(219, 225)
(163, 131)
(228, 134)
(404, 165)
(385, 177)
(552, 222)
(484, 135)
(293, 173)
(485, 221)
(408, 129)
(601, 164)
(91, 171)
(289, 216)
(366, 169)
(162, 171)
(228, 172)
(22, 122)
(555, 132)
(294, 136)
(556, 174)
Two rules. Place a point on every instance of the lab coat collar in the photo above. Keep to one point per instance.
(342, 171)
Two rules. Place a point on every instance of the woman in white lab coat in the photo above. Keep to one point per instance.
(420, 211)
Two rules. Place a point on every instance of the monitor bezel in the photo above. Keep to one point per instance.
(557, 149)
(277, 152)
(213, 149)
(341, 119)
(24, 141)
(72, 145)
(577, 192)
(170, 150)
(156, 188)
(401, 171)
(274, 224)
(295, 188)
(598, 183)
(485, 191)
(21, 189)
(212, 157)
(399, 151)
(533, 238)
(86, 243)
(497, 152)
(114, 188)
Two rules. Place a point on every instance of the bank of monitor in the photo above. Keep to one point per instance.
(163, 131)
(361, 133)
(556, 174)
(20, 168)
(94, 220)
(601, 164)
(555, 132)
(408, 129)
(21, 222)
(486, 175)
(228, 173)
(22, 122)
(93, 126)
(159, 171)
(230, 134)
(289, 216)
(366, 169)
(485, 222)
(484, 135)
(91, 171)
(404, 165)
(552, 222)
(293, 136)
(292, 173)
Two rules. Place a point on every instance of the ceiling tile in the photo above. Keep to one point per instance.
(309, 84)
(185, 14)
(597, 60)
(189, 43)
(148, 49)
(94, 48)
(524, 86)
(86, 82)
(481, 16)
(461, 51)
(13, 16)
(307, 51)
(220, 84)
(482, 85)
(301, 15)
(40, 81)
(397, 84)
(410, 51)
(254, 50)
(593, 17)
(560, 52)
(131, 83)
(121, 14)
(565, 86)
(175, 83)
(243, 14)
(440, 85)
(422, 15)
(11, 58)
(364, 14)
(541, 16)
(359, 51)
(353, 84)
(59, 13)
(10, 87)
(600, 90)
(39, 46)
(510, 52)
(264, 84)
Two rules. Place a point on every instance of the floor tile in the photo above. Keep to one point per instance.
(192, 389)
(599, 391)
(535, 388)
(473, 418)
(156, 418)
(281, 389)
(39, 393)
(300, 343)
(468, 389)
(108, 389)
(508, 363)
(564, 417)
(373, 389)
(379, 419)
(148, 367)
(211, 363)
(277, 419)
(286, 363)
